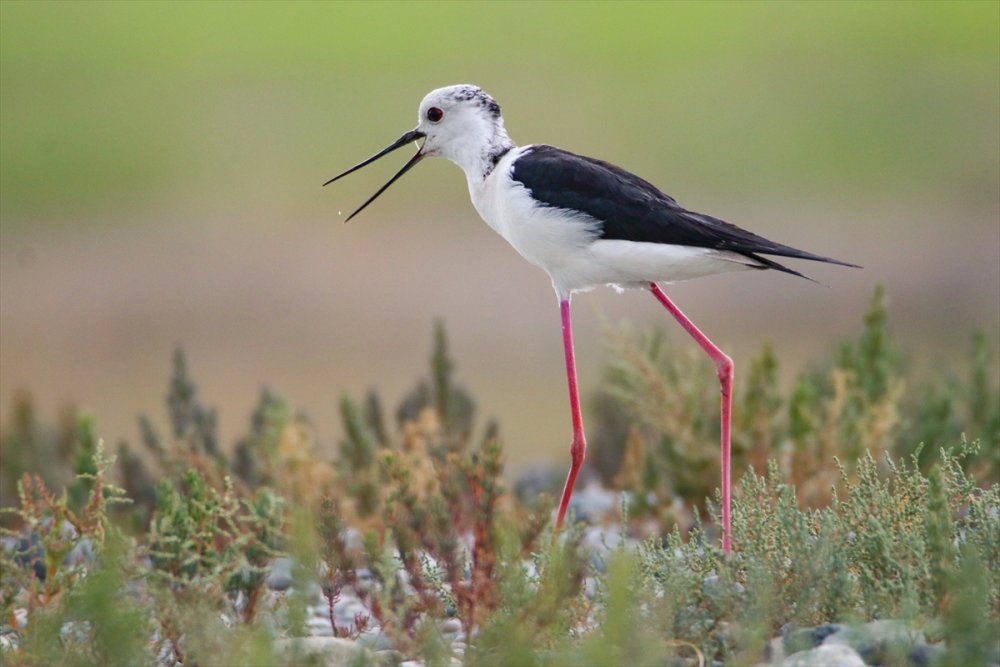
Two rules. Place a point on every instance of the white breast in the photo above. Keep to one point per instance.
(547, 237)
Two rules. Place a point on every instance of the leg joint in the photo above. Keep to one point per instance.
(724, 367)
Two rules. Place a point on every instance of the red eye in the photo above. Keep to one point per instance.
(434, 114)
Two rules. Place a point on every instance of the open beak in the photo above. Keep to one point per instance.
(409, 137)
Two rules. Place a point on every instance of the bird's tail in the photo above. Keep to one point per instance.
(766, 263)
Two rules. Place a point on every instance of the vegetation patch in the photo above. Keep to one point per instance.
(866, 519)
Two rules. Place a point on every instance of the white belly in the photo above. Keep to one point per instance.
(569, 248)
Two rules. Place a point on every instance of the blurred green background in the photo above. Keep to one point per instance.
(160, 166)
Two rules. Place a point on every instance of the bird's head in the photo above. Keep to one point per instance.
(460, 123)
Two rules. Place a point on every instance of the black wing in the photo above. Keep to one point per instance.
(632, 209)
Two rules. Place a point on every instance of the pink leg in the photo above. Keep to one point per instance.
(724, 369)
(579, 446)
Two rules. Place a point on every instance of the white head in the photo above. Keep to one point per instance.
(460, 123)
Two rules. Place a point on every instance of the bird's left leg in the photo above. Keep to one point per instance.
(724, 369)
(578, 448)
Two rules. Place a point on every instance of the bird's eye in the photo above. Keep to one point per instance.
(434, 114)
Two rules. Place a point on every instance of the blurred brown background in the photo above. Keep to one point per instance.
(160, 171)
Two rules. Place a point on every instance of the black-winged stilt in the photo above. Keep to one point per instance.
(586, 223)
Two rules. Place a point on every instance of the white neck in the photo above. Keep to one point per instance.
(477, 158)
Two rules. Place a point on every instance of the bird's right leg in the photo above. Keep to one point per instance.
(724, 370)
(578, 448)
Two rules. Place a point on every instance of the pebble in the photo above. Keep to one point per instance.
(366, 580)
(925, 655)
(803, 639)
(279, 578)
(826, 655)
(593, 502)
(454, 662)
(375, 639)
(388, 658)
(450, 626)
(537, 480)
(81, 554)
(712, 587)
(29, 553)
(318, 625)
(331, 651)
(601, 541)
(774, 651)
(878, 642)
(348, 608)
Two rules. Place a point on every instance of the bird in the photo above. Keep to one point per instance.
(587, 223)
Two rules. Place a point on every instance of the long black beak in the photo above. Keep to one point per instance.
(407, 138)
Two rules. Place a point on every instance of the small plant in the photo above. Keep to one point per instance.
(27, 445)
(46, 571)
(440, 501)
(885, 549)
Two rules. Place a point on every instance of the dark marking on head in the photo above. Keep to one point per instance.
(479, 96)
